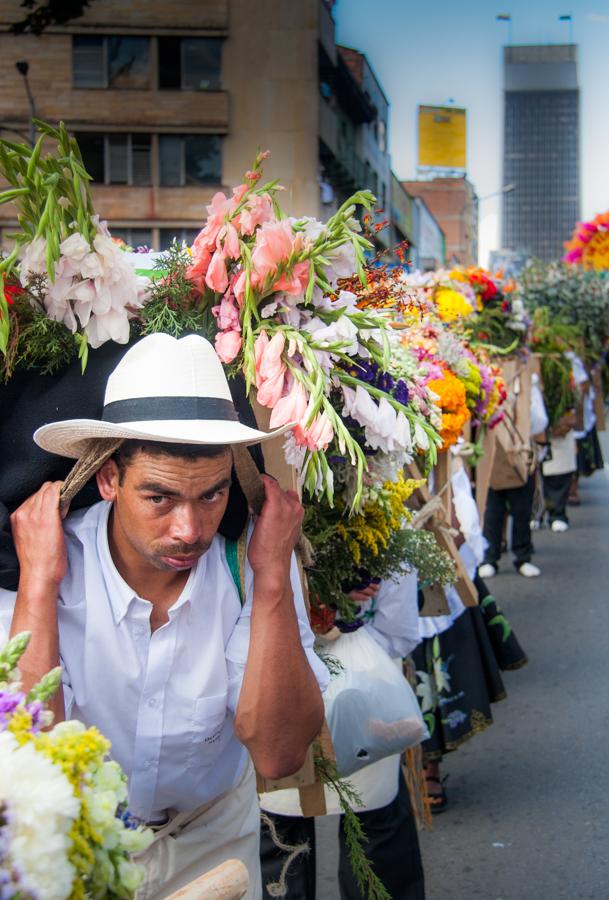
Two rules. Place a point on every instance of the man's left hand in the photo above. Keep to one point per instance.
(277, 529)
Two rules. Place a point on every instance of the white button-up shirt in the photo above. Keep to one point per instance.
(167, 699)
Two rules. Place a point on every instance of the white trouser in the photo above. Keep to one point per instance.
(193, 843)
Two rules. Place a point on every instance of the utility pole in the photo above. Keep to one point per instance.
(23, 68)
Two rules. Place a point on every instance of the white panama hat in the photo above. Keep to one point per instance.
(166, 389)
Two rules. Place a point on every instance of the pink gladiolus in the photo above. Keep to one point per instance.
(290, 408)
(270, 391)
(216, 212)
(273, 246)
(238, 287)
(198, 270)
(268, 355)
(260, 345)
(294, 282)
(228, 345)
(217, 276)
(227, 314)
(270, 370)
(319, 434)
(230, 240)
(257, 211)
(238, 194)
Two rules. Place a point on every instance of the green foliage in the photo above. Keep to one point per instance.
(575, 296)
(552, 339)
(368, 881)
(173, 307)
(333, 566)
(36, 342)
(490, 328)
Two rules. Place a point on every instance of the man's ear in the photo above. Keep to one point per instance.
(108, 480)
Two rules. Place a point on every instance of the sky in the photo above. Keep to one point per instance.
(438, 51)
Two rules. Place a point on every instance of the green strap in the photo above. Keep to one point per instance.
(232, 558)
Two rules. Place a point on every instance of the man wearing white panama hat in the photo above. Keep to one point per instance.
(136, 598)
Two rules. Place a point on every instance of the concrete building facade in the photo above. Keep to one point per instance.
(541, 148)
(171, 101)
(453, 202)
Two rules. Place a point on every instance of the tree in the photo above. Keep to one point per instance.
(49, 12)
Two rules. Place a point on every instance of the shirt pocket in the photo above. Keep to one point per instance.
(209, 730)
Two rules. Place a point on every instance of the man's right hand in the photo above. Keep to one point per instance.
(39, 539)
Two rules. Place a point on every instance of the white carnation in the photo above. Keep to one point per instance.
(40, 809)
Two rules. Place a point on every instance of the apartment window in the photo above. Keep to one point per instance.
(117, 158)
(133, 237)
(189, 159)
(111, 62)
(192, 64)
(168, 235)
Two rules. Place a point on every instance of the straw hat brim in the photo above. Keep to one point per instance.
(71, 438)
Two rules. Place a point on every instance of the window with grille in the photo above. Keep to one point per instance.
(117, 158)
(111, 62)
(190, 159)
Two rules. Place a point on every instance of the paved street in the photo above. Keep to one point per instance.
(529, 799)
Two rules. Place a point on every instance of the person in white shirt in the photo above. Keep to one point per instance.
(135, 598)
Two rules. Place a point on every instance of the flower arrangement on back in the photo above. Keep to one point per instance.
(265, 286)
(273, 285)
(64, 258)
(589, 244)
(65, 832)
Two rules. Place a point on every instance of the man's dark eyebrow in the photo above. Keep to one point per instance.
(153, 487)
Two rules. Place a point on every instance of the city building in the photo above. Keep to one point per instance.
(454, 204)
(171, 101)
(403, 217)
(541, 148)
(429, 249)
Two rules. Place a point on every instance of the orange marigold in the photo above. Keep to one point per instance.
(452, 400)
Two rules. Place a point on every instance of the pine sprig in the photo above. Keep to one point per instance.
(368, 881)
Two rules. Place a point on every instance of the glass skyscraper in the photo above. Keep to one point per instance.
(541, 149)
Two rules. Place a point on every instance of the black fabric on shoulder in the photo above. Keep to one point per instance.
(30, 400)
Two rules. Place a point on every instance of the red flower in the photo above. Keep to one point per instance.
(11, 291)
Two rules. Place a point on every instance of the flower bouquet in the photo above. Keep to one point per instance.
(589, 244)
(375, 543)
(65, 831)
(64, 264)
(264, 286)
(572, 294)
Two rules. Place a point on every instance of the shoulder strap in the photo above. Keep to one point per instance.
(235, 557)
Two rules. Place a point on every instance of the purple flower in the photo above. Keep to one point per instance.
(401, 392)
(9, 701)
(385, 382)
(365, 371)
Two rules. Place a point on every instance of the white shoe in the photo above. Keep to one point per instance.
(529, 570)
(558, 526)
(487, 570)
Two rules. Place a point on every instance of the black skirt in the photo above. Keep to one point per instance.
(589, 454)
(459, 677)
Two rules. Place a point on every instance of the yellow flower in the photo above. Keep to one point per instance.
(452, 305)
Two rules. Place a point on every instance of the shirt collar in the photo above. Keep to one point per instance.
(120, 594)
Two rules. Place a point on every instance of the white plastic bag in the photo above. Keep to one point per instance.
(371, 710)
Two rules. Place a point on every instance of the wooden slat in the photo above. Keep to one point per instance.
(228, 881)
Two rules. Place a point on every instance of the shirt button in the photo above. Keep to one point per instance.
(152, 703)
(148, 764)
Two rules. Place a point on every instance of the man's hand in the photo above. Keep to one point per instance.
(39, 538)
(367, 593)
(276, 531)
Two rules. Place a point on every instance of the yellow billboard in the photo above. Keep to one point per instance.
(442, 137)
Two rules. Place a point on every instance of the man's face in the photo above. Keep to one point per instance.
(167, 509)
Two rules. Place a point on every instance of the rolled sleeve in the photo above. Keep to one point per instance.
(238, 645)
